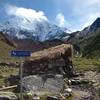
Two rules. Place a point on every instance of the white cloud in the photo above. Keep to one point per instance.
(82, 13)
(60, 20)
(87, 11)
(87, 2)
(21, 12)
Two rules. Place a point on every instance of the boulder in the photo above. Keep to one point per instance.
(68, 90)
(41, 84)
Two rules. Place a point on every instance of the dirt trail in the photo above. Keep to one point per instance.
(87, 91)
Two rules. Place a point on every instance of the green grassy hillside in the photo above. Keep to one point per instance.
(84, 64)
(91, 45)
(5, 49)
(6, 45)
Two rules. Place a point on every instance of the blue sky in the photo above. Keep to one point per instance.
(73, 14)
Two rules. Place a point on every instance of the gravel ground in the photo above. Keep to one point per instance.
(87, 91)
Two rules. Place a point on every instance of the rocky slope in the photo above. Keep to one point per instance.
(88, 40)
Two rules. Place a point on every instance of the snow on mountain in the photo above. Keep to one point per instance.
(37, 29)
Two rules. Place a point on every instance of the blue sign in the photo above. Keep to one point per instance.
(20, 53)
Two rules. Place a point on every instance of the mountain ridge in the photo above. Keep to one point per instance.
(37, 30)
(88, 40)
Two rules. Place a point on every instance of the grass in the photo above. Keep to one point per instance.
(70, 98)
(84, 64)
(5, 73)
(5, 50)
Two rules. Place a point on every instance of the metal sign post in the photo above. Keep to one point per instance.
(21, 54)
(21, 77)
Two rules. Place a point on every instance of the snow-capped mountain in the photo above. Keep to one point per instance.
(40, 30)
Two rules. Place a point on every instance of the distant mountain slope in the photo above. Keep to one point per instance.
(5, 38)
(25, 44)
(95, 25)
(5, 46)
(29, 44)
(91, 45)
(88, 40)
(87, 31)
(90, 29)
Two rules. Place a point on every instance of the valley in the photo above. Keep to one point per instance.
(44, 36)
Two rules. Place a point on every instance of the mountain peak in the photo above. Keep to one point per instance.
(36, 30)
(98, 18)
(95, 25)
(97, 22)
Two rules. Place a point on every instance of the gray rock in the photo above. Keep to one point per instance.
(42, 84)
(52, 98)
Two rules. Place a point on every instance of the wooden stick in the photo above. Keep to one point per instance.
(9, 87)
